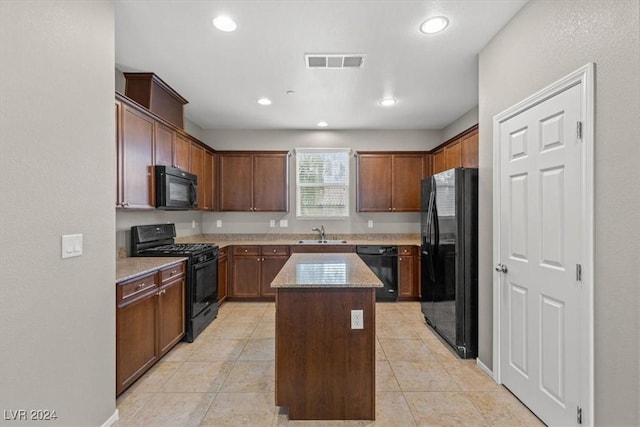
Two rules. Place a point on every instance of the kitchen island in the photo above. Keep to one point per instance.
(325, 337)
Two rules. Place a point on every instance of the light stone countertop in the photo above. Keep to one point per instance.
(223, 240)
(340, 270)
(128, 268)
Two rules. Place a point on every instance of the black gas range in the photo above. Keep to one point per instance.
(201, 287)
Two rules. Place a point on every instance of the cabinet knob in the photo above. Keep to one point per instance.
(246, 250)
(275, 250)
(389, 209)
(141, 285)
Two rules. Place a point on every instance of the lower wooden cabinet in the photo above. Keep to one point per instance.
(272, 261)
(223, 274)
(150, 320)
(253, 267)
(408, 273)
(171, 316)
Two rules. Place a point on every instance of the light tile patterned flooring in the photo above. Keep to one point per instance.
(226, 378)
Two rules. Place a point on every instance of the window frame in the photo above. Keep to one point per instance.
(347, 185)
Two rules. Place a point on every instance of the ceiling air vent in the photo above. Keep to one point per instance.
(334, 61)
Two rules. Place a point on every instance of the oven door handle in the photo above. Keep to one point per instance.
(200, 265)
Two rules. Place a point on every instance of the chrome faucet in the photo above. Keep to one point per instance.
(321, 231)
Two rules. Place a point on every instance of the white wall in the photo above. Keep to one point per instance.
(245, 222)
(188, 223)
(57, 170)
(544, 42)
(461, 124)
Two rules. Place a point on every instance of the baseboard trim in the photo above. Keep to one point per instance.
(112, 419)
(485, 369)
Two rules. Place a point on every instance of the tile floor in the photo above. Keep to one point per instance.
(226, 378)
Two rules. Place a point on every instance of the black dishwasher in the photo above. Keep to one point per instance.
(383, 261)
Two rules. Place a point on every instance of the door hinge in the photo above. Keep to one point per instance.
(579, 130)
(579, 415)
(578, 273)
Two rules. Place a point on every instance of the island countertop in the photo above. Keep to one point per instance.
(331, 270)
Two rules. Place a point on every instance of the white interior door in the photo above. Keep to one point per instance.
(541, 223)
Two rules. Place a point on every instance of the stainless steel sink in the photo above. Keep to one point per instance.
(322, 242)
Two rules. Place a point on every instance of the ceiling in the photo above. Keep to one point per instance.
(222, 74)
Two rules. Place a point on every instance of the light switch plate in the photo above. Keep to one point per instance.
(219, 223)
(357, 319)
(71, 245)
(284, 223)
(370, 223)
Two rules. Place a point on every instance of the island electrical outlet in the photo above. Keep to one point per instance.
(357, 319)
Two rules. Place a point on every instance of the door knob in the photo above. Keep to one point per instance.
(501, 268)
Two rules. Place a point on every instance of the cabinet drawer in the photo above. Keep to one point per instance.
(275, 250)
(129, 290)
(172, 272)
(246, 250)
(407, 250)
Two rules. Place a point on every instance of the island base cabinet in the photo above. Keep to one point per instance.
(324, 369)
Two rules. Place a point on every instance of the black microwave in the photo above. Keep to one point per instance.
(175, 189)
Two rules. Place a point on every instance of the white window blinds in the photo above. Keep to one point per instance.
(322, 182)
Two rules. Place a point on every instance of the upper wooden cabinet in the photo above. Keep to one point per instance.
(144, 140)
(253, 181)
(459, 151)
(469, 150)
(197, 168)
(164, 143)
(439, 162)
(150, 91)
(389, 181)
(207, 201)
(134, 145)
(452, 158)
(182, 153)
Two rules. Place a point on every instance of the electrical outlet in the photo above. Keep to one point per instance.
(219, 223)
(193, 223)
(357, 319)
(370, 223)
(272, 223)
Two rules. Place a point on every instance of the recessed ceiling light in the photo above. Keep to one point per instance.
(387, 102)
(323, 124)
(264, 101)
(434, 25)
(224, 23)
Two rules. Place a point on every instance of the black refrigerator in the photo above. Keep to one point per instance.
(449, 260)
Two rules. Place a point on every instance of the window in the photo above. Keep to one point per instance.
(322, 182)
